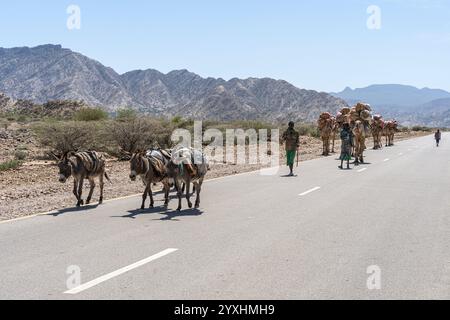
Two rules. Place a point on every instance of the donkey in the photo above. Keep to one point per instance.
(188, 166)
(83, 165)
(151, 166)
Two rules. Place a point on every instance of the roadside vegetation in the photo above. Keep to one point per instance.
(61, 128)
(9, 165)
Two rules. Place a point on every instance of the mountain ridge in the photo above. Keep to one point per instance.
(51, 72)
(392, 94)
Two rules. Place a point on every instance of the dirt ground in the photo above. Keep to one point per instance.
(34, 187)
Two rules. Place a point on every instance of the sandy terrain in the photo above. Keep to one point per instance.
(34, 187)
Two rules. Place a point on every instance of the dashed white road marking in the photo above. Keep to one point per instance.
(117, 273)
(386, 160)
(309, 191)
(362, 170)
(400, 154)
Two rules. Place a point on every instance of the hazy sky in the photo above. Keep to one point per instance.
(321, 45)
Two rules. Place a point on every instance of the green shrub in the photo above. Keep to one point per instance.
(141, 134)
(22, 147)
(4, 124)
(90, 114)
(310, 130)
(421, 128)
(20, 155)
(126, 114)
(8, 165)
(22, 119)
(404, 129)
(63, 137)
(177, 120)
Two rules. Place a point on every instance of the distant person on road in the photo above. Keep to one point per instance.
(292, 140)
(346, 146)
(438, 137)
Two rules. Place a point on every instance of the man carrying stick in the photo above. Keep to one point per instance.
(292, 140)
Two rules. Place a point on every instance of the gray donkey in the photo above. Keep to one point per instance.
(83, 165)
(187, 166)
(151, 166)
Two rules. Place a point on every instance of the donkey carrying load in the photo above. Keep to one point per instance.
(83, 165)
(151, 166)
(188, 165)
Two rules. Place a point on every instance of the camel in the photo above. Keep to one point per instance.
(390, 129)
(326, 129)
(377, 127)
(336, 126)
(359, 133)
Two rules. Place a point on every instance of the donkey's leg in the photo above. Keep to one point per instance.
(179, 193)
(150, 193)
(166, 193)
(75, 190)
(188, 193)
(91, 191)
(198, 189)
(80, 192)
(102, 185)
(144, 196)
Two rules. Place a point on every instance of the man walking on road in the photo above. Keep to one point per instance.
(438, 137)
(346, 146)
(292, 141)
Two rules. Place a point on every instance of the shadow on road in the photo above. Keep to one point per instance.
(73, 210)
(172, 215)
(139, 212)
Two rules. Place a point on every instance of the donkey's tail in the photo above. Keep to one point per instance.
(107, 178)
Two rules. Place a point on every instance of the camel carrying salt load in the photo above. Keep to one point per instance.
(360, 118)
(343, 116)
(326, 124)
(324, 118)
(377, 128)
(390, 128)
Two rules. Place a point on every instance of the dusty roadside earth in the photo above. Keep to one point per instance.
(34, 187)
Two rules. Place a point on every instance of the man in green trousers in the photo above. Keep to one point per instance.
(292, 140)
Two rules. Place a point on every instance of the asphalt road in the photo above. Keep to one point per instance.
(255, 237)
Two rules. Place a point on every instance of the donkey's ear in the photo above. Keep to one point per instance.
(127, 153)
(55, 156)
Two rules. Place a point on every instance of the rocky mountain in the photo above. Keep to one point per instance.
(51, 72)
(62, 109)
(392, 95)
(408, 104)
(432, 114)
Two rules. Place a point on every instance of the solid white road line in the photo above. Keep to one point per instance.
(362, 170)
(114, 274)
(309, 191)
